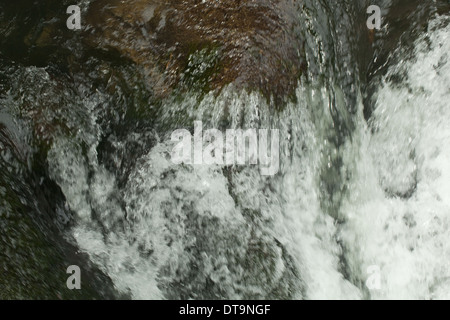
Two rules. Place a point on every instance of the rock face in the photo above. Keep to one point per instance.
(34, 254)
(35, 250)
(403, 22)
(204, 44)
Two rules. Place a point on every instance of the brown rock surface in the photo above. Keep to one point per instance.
(249, 43)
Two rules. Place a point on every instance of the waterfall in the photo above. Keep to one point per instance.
(356, 197)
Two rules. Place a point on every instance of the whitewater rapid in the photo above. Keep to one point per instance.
(178, 231)
(398, 207)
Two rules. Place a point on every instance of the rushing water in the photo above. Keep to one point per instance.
(364, 175)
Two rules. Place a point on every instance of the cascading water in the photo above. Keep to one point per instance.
(350, 194)
(397, 207)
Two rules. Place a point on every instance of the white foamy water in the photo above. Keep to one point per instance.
(398, 207)
(192, 227)
(176, 231)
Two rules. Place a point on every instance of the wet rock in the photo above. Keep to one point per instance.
(34, 217)
(204, 44)
(403, 22)
(34, 255)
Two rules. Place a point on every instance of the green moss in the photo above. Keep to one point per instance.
(202, 66)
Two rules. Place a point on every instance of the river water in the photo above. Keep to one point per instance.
(362, 192)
